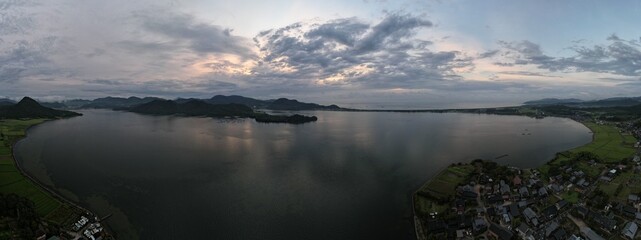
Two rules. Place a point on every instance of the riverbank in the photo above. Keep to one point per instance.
(50, 205)
(484, 195)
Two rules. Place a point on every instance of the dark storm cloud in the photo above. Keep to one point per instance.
(381, 55)
(200, 37)
(619, 57)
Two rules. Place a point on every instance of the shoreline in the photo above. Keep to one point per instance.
(417, 220)
(47, 189)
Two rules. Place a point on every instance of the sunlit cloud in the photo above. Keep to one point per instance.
(424, 53)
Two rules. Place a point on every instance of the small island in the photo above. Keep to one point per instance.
(293, 119)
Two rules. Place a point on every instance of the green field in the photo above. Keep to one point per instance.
(12, 181)
(570, 196)
(610, 145)
(442, 186)
(631, 184)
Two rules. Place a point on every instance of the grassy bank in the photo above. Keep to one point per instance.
(609, 146)
(436, 195)
(13, 181)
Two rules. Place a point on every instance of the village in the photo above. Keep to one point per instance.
(578, 195)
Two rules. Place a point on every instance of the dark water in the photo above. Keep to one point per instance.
(347, 176)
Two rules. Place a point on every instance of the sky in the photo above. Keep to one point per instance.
(365, 53)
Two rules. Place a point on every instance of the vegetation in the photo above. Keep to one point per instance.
(29, 108)
(19, 218)
(621, 186)
(294, 119)
(435, 196)
(13, 182)
(608, 146)
(120, 103)
(571, 196)
(192, 108)
(201, 108)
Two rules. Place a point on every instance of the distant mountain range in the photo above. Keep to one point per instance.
(5, 102)
(572, 102)
(195, 107)
(120, 103)
(29, 108)
(192, 108)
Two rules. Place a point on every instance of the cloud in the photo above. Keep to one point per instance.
(619, 57)
(200, 37)
(352, 52)
(13, 17)
(22, 58)
(526, 73)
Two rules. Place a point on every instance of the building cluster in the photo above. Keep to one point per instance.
(522, 204)
(88, 228)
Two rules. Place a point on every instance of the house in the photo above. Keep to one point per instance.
(479, 225)
(630, 230)
(493, 199)
(524, 231)
(505, 189)
(606, 179)
(551, 228)
(561, 204)
(559, 234)
(516, 181)
(514, 210)
(550, 212)
(582, 211)
(500, 233)
(532, 182)
(542, 192)
(531, 217)
(468, 194)
(629, 211)
(574, 237)
(578, 173)
(633, 199)
(523, 192)
(589, 234)
(506, 219)
(522, 204)
(554, 188)
(604, 222)
(585, 184)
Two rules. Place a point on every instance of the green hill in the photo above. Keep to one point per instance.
(29, 108)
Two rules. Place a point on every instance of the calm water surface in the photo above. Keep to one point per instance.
(347, 176)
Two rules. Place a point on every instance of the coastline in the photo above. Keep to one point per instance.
(417, 222)
(44, 187)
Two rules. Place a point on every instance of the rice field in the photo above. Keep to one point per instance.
(12, 181)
